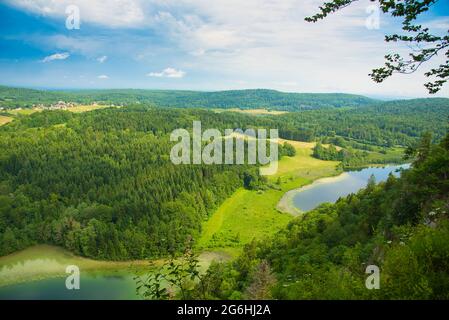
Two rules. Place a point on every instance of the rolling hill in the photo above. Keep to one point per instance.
(243, 99)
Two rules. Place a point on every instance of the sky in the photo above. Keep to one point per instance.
(204, 45)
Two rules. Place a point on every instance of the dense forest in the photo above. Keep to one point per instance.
(101, 184)
(386, 124)
(401, 226)
(244, 99)
(351, 158)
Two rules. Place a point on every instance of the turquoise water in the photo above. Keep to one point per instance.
(329, 190)
(91, 288)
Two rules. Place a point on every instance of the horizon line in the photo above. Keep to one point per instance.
(386, 97)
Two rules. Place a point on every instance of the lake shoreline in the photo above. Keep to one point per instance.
(50, 262)
(286, 203)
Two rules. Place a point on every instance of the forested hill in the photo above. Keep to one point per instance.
(102, 185)
(245, 99)
(412, 106)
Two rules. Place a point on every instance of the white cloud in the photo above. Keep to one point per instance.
(102, 59)
(440, 23)
(168, 73)
(92, 46)
(103, 76)
(198, 52)
(113, 14)
(287, 83)
(56, 56)
(265, 43)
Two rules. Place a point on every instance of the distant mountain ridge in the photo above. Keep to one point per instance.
(244, 99)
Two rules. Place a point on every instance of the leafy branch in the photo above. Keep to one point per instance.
(178, 277)
(424, 45)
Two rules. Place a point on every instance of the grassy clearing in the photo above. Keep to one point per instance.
(392, 155)
(75, 109)
(244, 216)
(301, 166)
(86, 108)
(23, 112)
(5, 120)
(252, 111)
(250, 214)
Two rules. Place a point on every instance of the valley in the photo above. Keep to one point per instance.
(244, 216)
(93, 186)
(249, 154)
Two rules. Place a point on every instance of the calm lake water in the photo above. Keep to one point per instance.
(92, 287)
(330, 189)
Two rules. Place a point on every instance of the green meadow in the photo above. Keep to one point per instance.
(23, 112)
(252, 214)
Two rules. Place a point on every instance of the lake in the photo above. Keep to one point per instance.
(92, 287)
(330, 189)
(21, 271)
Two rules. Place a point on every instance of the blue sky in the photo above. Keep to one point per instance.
(202, 45)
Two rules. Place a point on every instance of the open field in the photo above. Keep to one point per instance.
(245, 215)
(392, 155)
(76, 109)
(249, 214)
(23, 112)
(85, 108)
(304, 145)
(5, 120)
(302, 166)
(252, 111)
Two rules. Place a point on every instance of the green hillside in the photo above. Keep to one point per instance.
(244, 99)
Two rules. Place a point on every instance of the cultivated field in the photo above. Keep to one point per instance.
(85, 108)
(5, 120)
(76, 109)
(252, 111)
(23, 112)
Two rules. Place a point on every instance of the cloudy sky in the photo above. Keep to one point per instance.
(202, 45)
